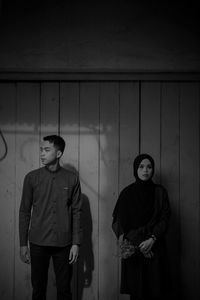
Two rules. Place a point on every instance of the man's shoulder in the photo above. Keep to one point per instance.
(34, 172)
(70, 173)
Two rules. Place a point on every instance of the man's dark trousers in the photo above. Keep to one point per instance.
(40, 258)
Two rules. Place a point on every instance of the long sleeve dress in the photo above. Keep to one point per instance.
(142, 211)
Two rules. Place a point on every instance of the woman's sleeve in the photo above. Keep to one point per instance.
(161, 226)
(137, 236)
(116, 224)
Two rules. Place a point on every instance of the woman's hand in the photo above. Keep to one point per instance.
(145, 247)
(148, 254)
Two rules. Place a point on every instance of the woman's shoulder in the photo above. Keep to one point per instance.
(127, 190)
(160, 187)
(161, 192)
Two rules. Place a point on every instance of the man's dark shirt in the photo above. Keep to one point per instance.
(50, 208)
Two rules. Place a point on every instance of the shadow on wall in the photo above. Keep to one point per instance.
(83, 273)
(173, 241)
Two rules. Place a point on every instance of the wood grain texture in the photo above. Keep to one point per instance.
(49, 108)
(89, 175)
(69, 130)
(150, 123)
(69, 122)
(170, 164)
(129, 140)
(7, 191)
(189, 189)
(50, 125)
(108, 184)
(103, 124)
(27, 154)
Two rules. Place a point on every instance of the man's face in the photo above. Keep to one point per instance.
(49, 153)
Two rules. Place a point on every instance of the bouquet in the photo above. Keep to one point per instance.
(127, 249)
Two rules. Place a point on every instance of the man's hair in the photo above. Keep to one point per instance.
(57, 140)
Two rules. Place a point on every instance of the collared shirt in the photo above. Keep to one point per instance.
(50, 208)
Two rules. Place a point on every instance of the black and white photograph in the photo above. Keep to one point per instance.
(99, 150)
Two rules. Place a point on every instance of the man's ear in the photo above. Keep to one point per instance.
(59, 154)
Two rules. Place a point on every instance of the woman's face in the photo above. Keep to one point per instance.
(145, 170)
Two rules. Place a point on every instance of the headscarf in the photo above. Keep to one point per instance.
(137, 163)
(135, 204)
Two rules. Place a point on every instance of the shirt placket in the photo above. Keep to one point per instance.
(53, 212)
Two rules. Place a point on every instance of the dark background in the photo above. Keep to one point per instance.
(99, 35)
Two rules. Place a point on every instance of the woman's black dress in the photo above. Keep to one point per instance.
(143, 210)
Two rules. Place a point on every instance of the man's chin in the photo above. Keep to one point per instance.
(48, 164)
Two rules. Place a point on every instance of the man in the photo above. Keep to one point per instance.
(49, 218)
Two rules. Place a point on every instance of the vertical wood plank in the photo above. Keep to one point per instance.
(49, 108)
(129, 139)
(189, 190)
(69, 130)
(170, 173)
(105, 168)
(89, 163)
(129, 130)
(150, 122)
(7, 190)
(109, 156)
(27, 153)
(50, 125)
(69, 122)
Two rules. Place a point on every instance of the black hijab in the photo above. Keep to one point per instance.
(135, 204)
(137, 163)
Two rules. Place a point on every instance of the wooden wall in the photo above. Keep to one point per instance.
(105, 125)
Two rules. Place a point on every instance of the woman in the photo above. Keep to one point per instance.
(141, 215)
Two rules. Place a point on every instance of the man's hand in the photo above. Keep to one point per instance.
(73, 255)
(25, 254)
